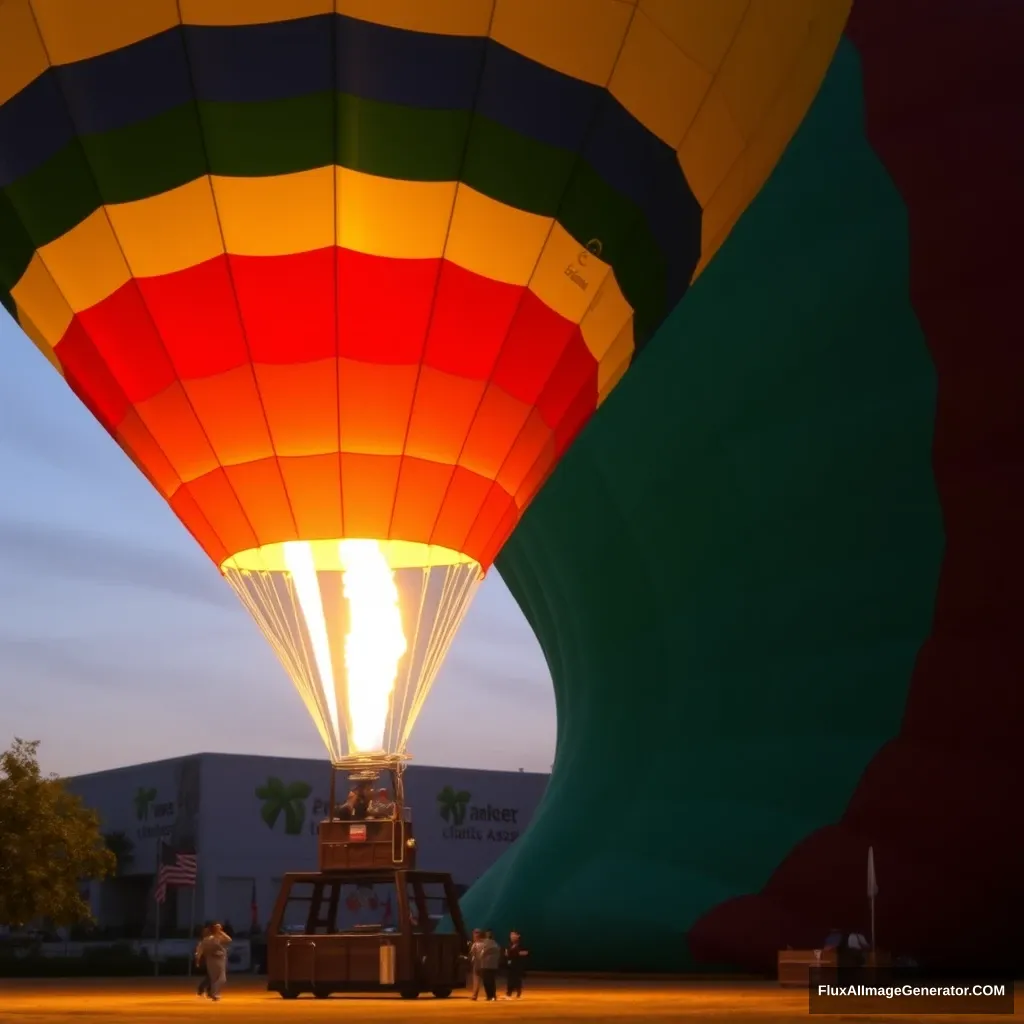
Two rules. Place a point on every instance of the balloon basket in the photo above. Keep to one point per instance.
(370, 844)
(366, 931)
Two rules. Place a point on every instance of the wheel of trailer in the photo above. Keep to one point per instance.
(289, 993)
(321, 993)
(442, 993)
(409, 993)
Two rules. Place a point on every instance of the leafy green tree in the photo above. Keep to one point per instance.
(452, 805)
(289, 800)
(49, 843)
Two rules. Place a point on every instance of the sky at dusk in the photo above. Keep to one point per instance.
(120, 643)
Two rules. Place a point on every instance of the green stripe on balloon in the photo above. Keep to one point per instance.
(289, 136)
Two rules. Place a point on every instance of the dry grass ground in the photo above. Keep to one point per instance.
(150, 1001)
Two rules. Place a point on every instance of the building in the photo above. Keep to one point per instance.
(251, 819)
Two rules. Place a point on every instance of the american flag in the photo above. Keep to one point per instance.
(177, 867)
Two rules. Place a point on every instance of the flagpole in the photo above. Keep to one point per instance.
(192, 921)
(872, 892)
(156, 944)
(156, 891)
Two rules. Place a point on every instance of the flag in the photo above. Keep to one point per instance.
(872, 881)
(177, 867)
(254, 910)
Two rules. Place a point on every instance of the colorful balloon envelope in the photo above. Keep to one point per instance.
(345, 278)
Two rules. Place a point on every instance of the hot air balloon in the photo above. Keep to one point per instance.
(345, 278)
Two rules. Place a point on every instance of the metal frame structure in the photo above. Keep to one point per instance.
(410, 958)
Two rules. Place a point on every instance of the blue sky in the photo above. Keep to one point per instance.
(119, 642)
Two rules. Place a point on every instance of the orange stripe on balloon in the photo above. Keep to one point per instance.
(234, 508)
(375, 402)
(385, 410)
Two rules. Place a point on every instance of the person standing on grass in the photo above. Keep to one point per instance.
(214, 951)
(204, 981)
(515, 954)
(473, 970)
(490, 955)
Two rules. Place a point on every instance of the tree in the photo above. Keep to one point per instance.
(49, 843)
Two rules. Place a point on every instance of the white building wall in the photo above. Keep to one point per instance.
(139, 801)
(258, 820)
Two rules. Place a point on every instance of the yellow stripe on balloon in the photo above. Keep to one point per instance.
(702, 31)
(25, 60)
(87, 263)
(168, 232)
(568, 278)
(759, 127)
(295, 213)
(608, 314)
(38, 297)
(76, 30)
(579, 38)
(390, 217)
(437, 17)
(277, 215)
(657, 83)
(39, 339)
(495, 240)
(615, 363)
(251, 12)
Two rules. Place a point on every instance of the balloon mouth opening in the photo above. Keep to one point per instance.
(367, 767)
(338, 554)
(362, 627)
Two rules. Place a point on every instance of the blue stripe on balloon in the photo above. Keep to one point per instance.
(34, 126)
(254, 63)
(535, 101)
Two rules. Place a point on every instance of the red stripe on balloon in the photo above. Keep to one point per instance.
(236, 508)
(429, 405)
(231, 310)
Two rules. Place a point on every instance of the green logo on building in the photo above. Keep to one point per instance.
(144, 797)
(453, 804)
(284, 799)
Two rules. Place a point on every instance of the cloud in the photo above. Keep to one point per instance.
(95, 557)
(44, 657)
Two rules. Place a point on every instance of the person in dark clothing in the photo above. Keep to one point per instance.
(364, 794)
(515, 954)
(357, 804)
(345, 811)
